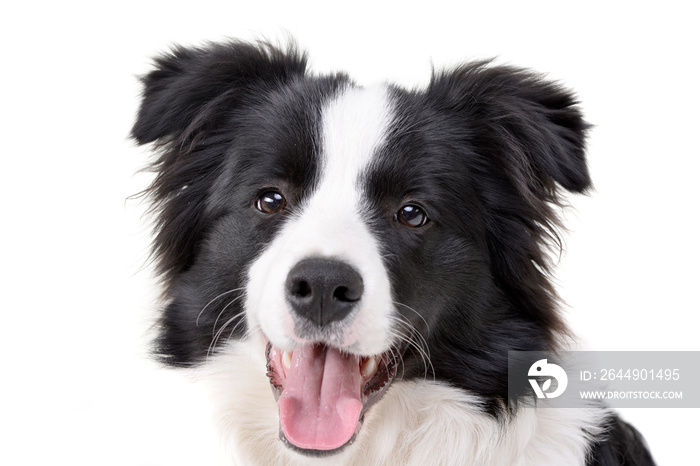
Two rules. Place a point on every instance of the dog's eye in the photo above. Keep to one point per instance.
(412, 216)
(271, 202)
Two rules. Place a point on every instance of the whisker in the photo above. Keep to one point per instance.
(215, 339)
(409, 334)
(222, 311)
(210, 302)
(427, 327)
(230, 335)
(417, 334)
(216, 334)
(387, 255)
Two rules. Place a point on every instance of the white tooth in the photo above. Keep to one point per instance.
(369, 367)
(287, 359)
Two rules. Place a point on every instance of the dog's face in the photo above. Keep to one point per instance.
(354, 229)
(305, 288)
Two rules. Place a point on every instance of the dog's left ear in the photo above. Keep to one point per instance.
(531, 125)
(527, 139)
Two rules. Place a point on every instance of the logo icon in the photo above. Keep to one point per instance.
(542, 369)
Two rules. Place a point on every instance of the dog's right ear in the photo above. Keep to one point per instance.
(189, 87)
(187, 98)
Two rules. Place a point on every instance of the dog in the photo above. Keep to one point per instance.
(348, 267)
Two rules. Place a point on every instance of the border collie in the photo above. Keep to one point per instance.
(349, 266)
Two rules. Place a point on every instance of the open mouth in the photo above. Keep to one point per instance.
(322, 393)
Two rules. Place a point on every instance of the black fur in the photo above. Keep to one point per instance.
(487, 150)
(621, 445)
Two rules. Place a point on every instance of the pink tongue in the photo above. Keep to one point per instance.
(320, 405)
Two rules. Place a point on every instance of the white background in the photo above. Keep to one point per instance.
(76, 293)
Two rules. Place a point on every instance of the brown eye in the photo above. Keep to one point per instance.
(271, 202)
(412, 216)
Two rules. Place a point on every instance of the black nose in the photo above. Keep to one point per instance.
(323, 290)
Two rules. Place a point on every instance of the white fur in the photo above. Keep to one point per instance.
(415, 423)
(330, 224)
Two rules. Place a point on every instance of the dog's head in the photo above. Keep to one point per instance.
(355, 228)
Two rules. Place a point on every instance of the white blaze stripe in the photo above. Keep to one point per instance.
(354, 126)
(331, 223)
